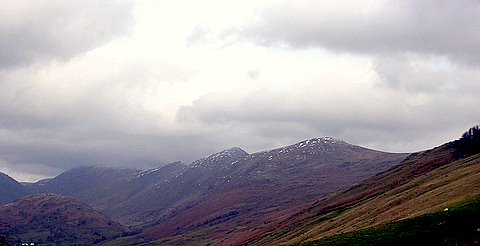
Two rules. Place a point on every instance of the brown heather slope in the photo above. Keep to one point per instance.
(435, 191)
(307, 216)
(423, 182)
(413, 166)
(54, 219)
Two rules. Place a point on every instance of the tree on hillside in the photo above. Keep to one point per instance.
(472, 134)
(469, 143)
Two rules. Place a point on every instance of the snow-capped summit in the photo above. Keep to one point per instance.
(319, 142)
(225, 156)
(233, 151)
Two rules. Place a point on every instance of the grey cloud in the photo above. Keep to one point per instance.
(199, 35)
(424, 46)
(391, 122)
(65, 148)
(444, 28)
(99, 131)
(305, 106)
(426, 75)
(253, 74)
(406, 72)
(35, 31)
(64, 124)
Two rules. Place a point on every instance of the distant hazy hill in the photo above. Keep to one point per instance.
(122, 194)
(84, 183)
(55, 219)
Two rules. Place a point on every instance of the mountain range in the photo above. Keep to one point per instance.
(300, 193)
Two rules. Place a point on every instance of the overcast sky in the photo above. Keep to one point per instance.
(142, 83)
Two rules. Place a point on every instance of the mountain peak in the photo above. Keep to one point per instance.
(233, 151)
(228, 155)
(328, 140)
(322, 140)
(4, 178)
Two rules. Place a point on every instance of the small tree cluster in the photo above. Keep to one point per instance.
(472, 134)
(469, 143)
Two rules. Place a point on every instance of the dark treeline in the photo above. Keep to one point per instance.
(469, 143)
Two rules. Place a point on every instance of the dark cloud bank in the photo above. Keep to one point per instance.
(34, 31)
(435, 27)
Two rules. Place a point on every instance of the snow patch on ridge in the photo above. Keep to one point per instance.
(232, 155)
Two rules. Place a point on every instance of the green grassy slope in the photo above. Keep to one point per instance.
(459, 225)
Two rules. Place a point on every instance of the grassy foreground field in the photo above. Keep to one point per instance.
(458, 225)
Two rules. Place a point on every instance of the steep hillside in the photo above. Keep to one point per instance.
(54, 219)
(413, 166)
(10, 189)
(457, 225)
(147, 192)
(432, 192)
(423, 183)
